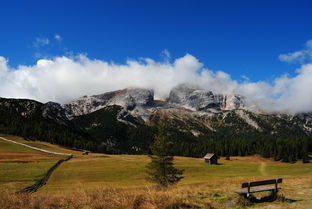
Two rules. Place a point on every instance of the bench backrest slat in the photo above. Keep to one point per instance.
(260, 183)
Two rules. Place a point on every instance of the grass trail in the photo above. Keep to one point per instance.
(262, 169)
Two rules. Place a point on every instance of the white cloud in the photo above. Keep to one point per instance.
(300, 56)
(166, 55)
(41, 41)
(246, 78)
(58, 37)
(63, 79)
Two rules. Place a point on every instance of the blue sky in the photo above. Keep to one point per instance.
(237, 37)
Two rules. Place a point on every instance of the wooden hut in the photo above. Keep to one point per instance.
(211, 158)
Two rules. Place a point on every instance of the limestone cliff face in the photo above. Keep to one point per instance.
(129, 99)
(202, 100)
(141, 102)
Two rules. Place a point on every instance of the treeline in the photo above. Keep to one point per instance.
(233, 137)
(286, 150)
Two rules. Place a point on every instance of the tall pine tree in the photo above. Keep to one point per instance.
(161, 169)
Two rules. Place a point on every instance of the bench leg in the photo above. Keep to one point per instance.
(247, 196)
(274, 194)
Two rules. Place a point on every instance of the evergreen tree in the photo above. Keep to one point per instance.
(161, 169)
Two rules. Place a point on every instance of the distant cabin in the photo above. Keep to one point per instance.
(211, 158)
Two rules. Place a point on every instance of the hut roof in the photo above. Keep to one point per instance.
(209, 156)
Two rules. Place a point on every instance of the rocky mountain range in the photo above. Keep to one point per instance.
(184, 101)
(126, 119)
(140, 102)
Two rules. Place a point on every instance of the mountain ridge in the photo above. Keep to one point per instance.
(125, 121)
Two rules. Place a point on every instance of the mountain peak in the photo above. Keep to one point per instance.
(198, 99)
(140, 101)
(127, 98)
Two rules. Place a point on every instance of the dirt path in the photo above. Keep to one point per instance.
(35, 148)
(262, 169)
(41, 182)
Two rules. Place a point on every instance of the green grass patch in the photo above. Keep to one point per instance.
(21, 166)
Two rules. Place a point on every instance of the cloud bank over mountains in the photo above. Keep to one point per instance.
(63, 79)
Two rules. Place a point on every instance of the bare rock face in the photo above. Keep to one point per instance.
(83, 105)
(129, 99)
(24, 106)
(54, 111)
(202, 100)
(231, 102)
(306, 121)
(140, 102)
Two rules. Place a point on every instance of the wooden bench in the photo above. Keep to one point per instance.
(246, 192)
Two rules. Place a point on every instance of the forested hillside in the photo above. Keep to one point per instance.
(46, 122)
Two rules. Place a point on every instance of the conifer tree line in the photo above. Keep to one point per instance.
(286, 150)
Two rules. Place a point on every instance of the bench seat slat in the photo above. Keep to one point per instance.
(261, 183)
(272, 188)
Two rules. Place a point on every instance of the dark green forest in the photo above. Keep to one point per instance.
(24, 118)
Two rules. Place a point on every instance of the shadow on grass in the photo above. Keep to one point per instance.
(271, 198)
(245, 202)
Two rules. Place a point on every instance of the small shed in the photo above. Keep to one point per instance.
(211, 158)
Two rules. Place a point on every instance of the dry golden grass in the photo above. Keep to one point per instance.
(24, 157)
(118, 181)
(148, 198)
(217, 195)
(21, 166)
(42, 145)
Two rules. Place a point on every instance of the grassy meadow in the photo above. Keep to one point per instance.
(118, 181)
(128, 171)
(21, 166)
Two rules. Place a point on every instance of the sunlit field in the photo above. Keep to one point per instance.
(21, 166)
(125, 175)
